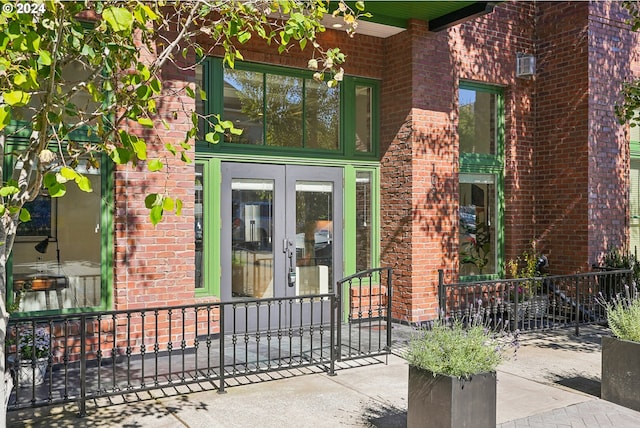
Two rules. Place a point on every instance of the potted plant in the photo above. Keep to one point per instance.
(32, 351)
(530, 294)
(621, 353)
(452, 375)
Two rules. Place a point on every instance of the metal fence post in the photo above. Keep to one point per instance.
(332, 333)
(442, 301)
(577, 306)
(389, 302)
(83, 367)
(337, 323)
(221, 341)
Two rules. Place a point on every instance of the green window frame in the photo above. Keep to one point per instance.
(350, 145)
(484, 168)
(106, 234)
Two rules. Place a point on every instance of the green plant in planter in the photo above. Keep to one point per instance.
(621, 354)
(623, 315)
(453, 349)
(452, 378)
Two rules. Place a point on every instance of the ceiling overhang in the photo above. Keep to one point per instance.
(391, 17)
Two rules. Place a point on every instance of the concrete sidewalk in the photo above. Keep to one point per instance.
(553, 382)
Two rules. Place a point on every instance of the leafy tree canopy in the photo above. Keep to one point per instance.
(74, 77)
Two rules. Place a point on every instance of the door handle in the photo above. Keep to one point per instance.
(287, 248)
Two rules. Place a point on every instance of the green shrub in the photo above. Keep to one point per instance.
(623, 315)
(457, 350)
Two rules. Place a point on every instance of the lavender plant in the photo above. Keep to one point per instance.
(623, 315)
(460, 350)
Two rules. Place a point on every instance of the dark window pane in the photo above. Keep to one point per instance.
(363, 119)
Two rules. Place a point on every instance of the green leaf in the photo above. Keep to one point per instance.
(145, 121)
(168, 204)
(120, 156)
(68, 173)
(58, 190)
(16, 98)
(155, 165)
(244, 37)
(152, 200)
(170, 147)
(360, 6)
(155, 214)
(5, 117)
(118, 18)
(156, 86)
(212, 137)
(140, 149)
(25, 216)
(8, 190)
(44, 57)
(84, 184)
(178, 206)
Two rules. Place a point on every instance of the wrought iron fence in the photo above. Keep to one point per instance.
(80, 357)
(534, 303)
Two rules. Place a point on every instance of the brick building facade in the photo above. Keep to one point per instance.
(560, 161)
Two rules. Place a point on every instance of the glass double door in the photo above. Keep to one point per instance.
(281, 238)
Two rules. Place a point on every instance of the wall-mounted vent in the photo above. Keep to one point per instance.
(525, 65)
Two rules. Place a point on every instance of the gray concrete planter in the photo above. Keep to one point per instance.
(445, 401)
(620, 372)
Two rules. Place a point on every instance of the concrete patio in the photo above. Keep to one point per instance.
(553, 381)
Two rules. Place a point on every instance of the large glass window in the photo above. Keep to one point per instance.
(281, 110)
(480, 181)
(57, 256)
(286, 110)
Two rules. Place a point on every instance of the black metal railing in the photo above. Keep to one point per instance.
(534, 303)
(368, 315)
(80, 357)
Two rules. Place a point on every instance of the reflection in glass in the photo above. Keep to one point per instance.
(284, 111)
(63, 270)
(322, 115)
(363, 119)
(477, 122)
(199, 224)
(363, 220)
(244, 104)
(251, 238)
(477, 249)
(314, 237)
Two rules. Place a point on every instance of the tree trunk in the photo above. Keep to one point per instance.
(8, 227)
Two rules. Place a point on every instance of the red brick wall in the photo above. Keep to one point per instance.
(486, 51)
(564, 152)
(561, 153)
(154, 266)
(610, 47)
(419, 183)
